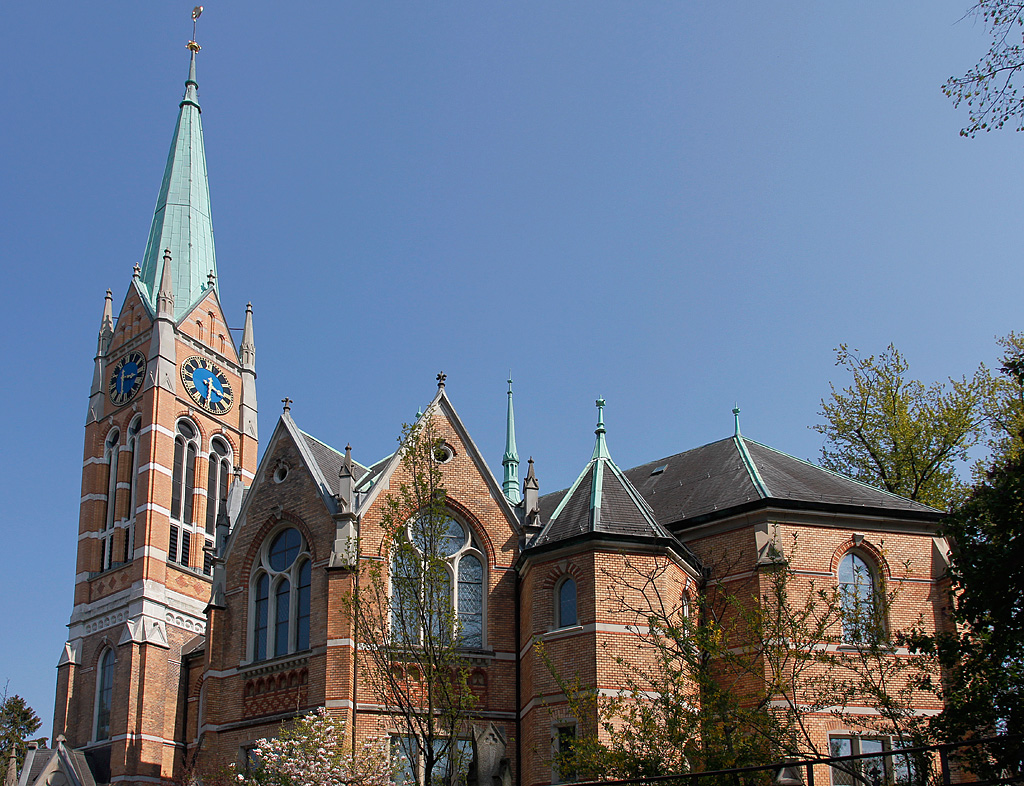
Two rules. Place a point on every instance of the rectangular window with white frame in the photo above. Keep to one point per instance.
(888, 768)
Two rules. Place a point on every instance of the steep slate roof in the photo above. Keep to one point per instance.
(735, 472)
(328, 460)
(42, 763)
(39, 762)
(601, 501)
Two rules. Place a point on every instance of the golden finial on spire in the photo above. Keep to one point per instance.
(196, 13)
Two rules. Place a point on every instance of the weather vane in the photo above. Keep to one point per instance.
(196, 13)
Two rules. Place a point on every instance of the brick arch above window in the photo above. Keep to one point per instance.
(202, 435)
(560, 569)
(280, 521)
(476, 528)
(228, 438)
(866, 549)
(105, 643)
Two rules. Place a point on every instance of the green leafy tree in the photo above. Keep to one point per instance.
(1004, 407)
(989, 89)
(411, 655)
(900, 434)
(732, 683)
(17, 722)
(983, 660)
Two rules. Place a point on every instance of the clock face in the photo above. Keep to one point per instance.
(207, 385)
(126, 379)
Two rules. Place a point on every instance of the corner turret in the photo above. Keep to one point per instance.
(162, 361)
(97, 392)
(247, 357)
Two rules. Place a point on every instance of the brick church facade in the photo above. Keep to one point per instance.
(211, 583)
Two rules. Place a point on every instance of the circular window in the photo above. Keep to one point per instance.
(281, 473)
(443, 453)
(284, 549)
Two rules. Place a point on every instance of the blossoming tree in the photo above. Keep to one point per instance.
(315, 751)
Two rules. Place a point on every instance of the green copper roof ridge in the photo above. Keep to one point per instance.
(839, 475)
(596, 492)
(182, 219)
(601, 455)
(638, 499)
(568, 494)
(751, 467)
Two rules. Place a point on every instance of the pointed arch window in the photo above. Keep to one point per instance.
(111, 453)
(104, 694)
(565, 603)
(858, 598)
(437, 575)
(186, 448)
(281, 595)
(216, 494)
(133, 464)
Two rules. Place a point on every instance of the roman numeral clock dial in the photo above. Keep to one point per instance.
(126, 379)
(207, 385)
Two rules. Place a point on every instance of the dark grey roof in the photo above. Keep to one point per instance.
(329, 461)
(39, 761)
(725, 475)
(370, 477)
(71, 760)
(620, 511)
(81, 766)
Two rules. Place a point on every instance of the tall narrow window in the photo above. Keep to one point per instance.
(565, 609)
(261, 607)
(133, 464)
(564, 741)
(216, 495)
(104, 693)
(305, 577)
(217, 485)
(111, 452)
(183, 492)
(281, 596)
(437, 576)
(858, 600)
(471, 601)
(282, 608)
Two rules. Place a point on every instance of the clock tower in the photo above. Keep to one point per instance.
(170, 445)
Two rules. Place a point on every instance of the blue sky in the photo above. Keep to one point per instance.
(679, 207)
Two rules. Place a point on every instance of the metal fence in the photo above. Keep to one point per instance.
(944, 764)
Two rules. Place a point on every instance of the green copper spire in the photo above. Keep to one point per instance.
(601, 448)
(601, 455)
(511, 459)
(181, 221)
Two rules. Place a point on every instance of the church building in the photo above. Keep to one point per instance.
(211, 580)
